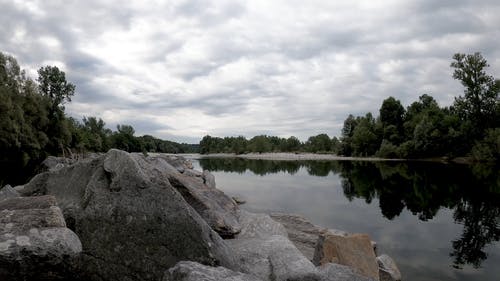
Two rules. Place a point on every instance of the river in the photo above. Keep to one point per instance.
(438, 221)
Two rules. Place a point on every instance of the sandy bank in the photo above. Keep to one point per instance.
(290, 157)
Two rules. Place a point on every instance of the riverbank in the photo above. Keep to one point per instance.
(281, 156)
(288, 157)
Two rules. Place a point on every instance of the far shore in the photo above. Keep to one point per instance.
(283, 156)
(280, 156)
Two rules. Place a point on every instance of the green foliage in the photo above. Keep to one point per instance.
(425, 130)
(365, 141)
(33, 123)
(26, 129)
(391, 114)
(479, 104)
(321, 142)
(291, 144)
(53, 84)
(350, 124)
(488, 149)
(388, 150)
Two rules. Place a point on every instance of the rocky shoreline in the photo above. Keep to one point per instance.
(126, 216)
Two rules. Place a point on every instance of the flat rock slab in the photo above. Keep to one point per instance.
(259, 226)
(300, 231)
(274, 258)
(353, 250)
(34, 241)
(192, 271)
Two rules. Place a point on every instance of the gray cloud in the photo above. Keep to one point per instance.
(182, 69)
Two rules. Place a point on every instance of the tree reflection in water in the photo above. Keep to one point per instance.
(472, 192)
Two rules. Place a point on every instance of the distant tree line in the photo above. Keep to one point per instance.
(92, 135)
(470, 127)
(33, 123)
(321, 143)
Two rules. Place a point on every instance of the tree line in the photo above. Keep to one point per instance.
(469, 127)
(321, 143)
(33, 122)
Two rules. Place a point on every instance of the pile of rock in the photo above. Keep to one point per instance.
(155, 218)
(34, 241)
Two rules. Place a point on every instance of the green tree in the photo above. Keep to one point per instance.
(260, 144)
(365, 141)
(239, 145)
(292, 144)
(488, 149)
(350, 124)
(319, 143)
(124, 139)
(391, 116)
(53, 84)
(95, 134)
(480, 101)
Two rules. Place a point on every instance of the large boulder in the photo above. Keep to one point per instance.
(133, 224)
(192, 271)
(262, 249)
(198, 189)
(216, 208)
(300, 231)
(34, 241)
(273, 258)
(353, 250)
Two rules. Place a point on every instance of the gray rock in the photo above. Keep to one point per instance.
(193, 173)
(34, 202)
(192, 271)
(337, 272)
(179, 163)
(34, 241)
(8, 192)
(300, 231)
(208, 179)
(388, 270)
(53, 163)
(259, 226)
(239, 200)
(215, 207)
(273, 258)
(132, 223)
(262, 249)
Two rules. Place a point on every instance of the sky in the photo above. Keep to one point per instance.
(179, 70)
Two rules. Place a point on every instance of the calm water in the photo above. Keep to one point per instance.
(439, 222)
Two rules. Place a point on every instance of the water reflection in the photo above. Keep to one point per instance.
(472, 192)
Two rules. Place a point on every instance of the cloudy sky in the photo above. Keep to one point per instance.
(182, 69)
